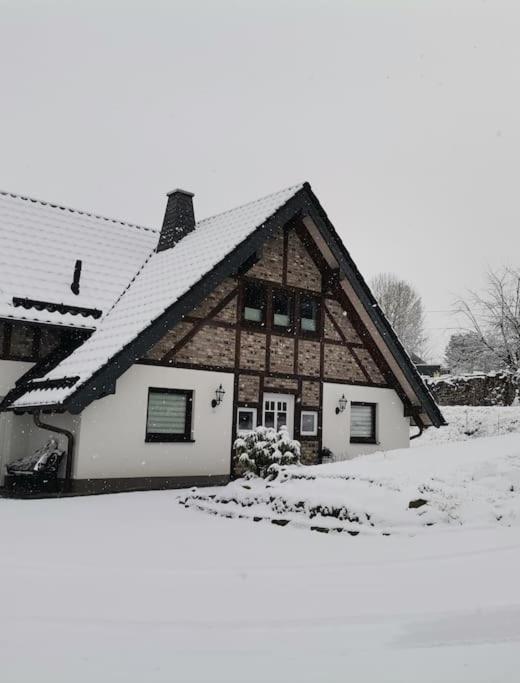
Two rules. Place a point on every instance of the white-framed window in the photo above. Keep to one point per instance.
(363, 423)
(246, 420)
(309, 423)
(275, 413)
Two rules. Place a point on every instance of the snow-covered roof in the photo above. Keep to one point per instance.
(164, 277)
(39, 246)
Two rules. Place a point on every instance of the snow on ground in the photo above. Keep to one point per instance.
(136, 588)
(472, 422)
(470, 483)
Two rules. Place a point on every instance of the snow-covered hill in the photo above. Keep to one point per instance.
(472, 422)
(471, 483)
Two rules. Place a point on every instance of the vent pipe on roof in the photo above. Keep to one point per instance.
(76, 277)
(179, 219)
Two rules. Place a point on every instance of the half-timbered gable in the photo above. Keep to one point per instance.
(277, 354)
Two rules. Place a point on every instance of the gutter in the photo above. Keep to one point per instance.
(70, 445)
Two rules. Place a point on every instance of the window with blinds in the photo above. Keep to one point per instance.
(169, 415)
(363, 423)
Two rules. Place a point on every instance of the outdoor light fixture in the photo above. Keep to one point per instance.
(219, 393)
(342, 404)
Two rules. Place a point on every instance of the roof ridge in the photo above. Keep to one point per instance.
(254, 201)
(54, 205)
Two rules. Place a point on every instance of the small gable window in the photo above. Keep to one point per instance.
(363, 423)
(254, 303)
(282, 309)
(309, 314)
(169, 415)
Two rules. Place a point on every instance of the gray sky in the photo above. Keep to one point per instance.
(402, 115)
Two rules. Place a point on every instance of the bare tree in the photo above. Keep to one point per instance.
(403, 307)
(494, 315)
(466, 352)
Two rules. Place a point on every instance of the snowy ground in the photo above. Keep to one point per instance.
(136, 588)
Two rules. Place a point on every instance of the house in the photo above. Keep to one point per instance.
(144, 351)
(427, 369)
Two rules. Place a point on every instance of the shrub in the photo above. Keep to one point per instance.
(263, 450)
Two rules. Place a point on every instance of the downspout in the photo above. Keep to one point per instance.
(70, 445)
(420, 427)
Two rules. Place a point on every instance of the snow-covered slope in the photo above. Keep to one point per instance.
(472, 483)
(472, 422)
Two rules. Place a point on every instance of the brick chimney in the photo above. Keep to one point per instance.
(179, 219)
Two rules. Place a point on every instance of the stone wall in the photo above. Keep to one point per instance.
(493, 389)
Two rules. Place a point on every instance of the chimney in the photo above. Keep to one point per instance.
(179, 219)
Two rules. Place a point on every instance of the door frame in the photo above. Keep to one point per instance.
(289, 398)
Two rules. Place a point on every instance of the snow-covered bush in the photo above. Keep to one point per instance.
(264, 450)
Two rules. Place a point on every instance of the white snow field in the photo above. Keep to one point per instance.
(137, 588)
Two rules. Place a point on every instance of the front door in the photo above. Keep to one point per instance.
(279, 411)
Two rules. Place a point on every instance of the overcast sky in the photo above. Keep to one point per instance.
(404, 117)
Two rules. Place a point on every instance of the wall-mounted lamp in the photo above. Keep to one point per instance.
(342, 404)
(219, 393)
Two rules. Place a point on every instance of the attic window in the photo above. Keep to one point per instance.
(309, 310)
(282, 309)
(254, 303)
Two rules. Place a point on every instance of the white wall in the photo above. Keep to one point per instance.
(113, 429)
(392, 428)
(10, 371)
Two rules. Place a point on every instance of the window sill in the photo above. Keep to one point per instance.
(253, 325)
(373, 442)
(152, 438)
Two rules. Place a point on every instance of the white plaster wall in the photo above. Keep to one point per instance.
(113, 428)
(10, 371)
(392, 428)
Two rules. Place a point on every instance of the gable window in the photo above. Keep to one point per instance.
(169, 415)
(246, 420)
(309, 312)
(282, 309)
(309, 423)
(254, 303)
(363, 423)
